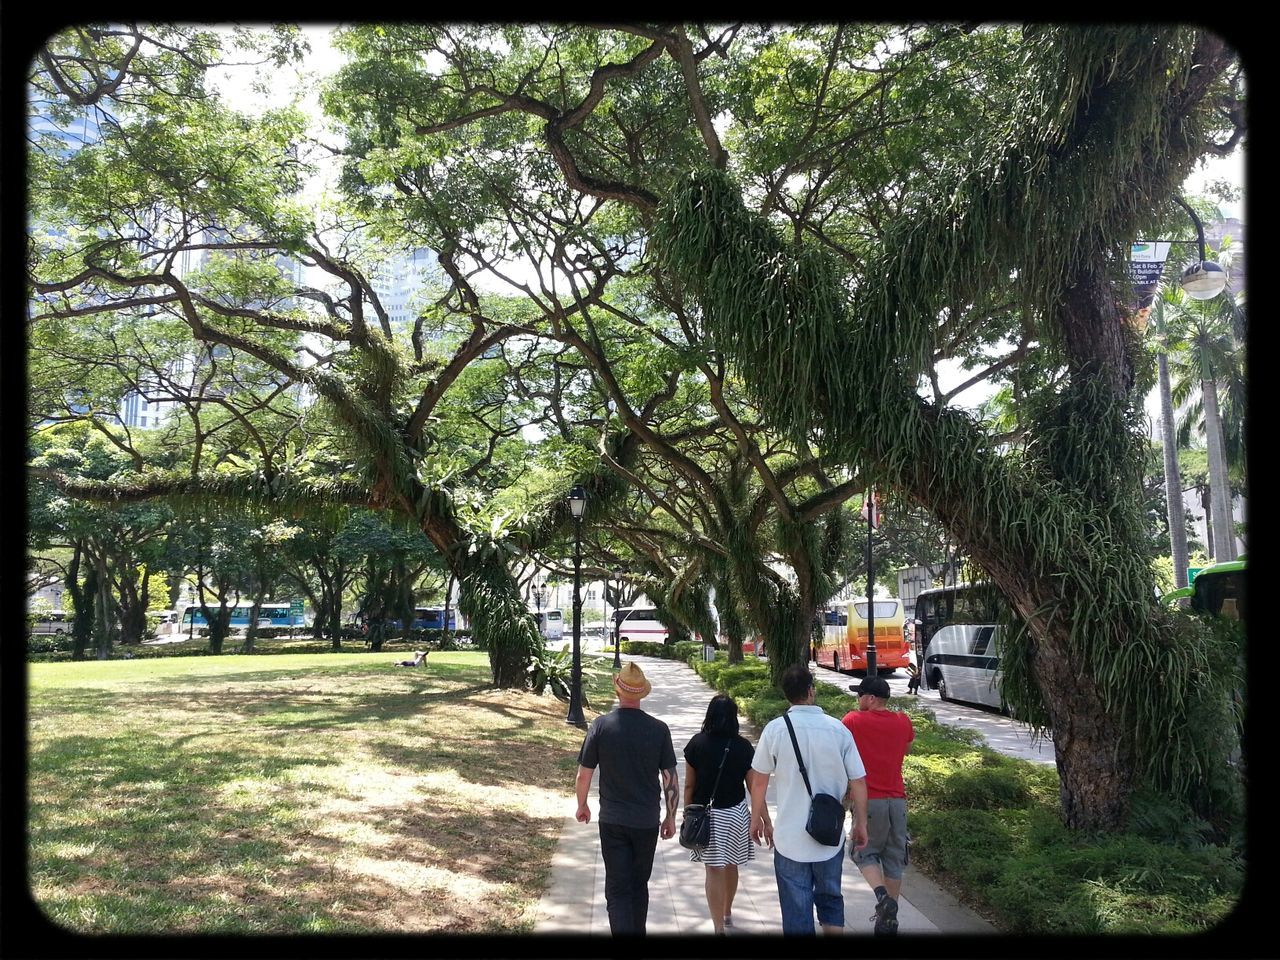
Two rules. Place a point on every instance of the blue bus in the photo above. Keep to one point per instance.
(269, 615)
(425, 618)
(432, 618)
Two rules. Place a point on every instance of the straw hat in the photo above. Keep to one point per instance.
(630, 682)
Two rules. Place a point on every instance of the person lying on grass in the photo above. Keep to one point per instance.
(419, 657)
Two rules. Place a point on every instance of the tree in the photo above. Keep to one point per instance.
(1160, 331)
(1068, 487)
(1208, 358)
(119, 543)
(200, 179)
(991, 219)
(211, 546)
(314, 563)
(851, 238)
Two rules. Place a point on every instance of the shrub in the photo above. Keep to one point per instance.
(49, 643)
(991, 785)
(687, 649)
(989, 825)
(644, 648)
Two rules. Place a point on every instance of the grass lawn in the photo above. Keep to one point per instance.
(294, 793)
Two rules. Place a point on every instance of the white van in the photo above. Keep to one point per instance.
(641, 623)
(550, 624)
(51, 622)
(963, 663)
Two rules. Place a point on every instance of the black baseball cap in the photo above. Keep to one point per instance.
(872, 686)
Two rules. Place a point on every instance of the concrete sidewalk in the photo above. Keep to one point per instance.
(574, 902)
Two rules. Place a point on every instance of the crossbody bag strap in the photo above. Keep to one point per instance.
(799, 759)
(711, 800)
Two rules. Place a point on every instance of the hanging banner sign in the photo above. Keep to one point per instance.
(1146, 264)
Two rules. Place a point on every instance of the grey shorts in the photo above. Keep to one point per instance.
(886, 837)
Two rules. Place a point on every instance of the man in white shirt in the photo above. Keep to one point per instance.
(808, 872)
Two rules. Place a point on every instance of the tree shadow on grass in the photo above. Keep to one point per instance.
(161, 844)
(283, 709)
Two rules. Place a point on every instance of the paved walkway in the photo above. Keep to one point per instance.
(574, 902)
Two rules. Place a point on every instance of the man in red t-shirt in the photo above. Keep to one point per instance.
(883, 737)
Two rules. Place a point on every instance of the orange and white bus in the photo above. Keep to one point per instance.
(844, 636)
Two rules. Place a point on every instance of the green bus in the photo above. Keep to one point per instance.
(1218, 589)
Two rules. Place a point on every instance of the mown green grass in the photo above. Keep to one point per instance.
(987, 827)
(294, 794)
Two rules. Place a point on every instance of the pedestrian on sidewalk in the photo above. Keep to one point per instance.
(808, 872)
(883, 738)
(633, 751)
(719, 758)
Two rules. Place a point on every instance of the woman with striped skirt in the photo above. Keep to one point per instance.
(720, 743)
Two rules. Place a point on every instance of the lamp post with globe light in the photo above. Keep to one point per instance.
(1203, 279)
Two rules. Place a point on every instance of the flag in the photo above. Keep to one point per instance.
(871, 509)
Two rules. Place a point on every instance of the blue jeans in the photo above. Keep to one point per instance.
(804, 886)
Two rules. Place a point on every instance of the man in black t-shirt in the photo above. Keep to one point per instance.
(633, 750)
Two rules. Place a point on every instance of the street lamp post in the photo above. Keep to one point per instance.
(617, 623)
(870, 507)
(539, 597)
(577, 504)
(1204, 279)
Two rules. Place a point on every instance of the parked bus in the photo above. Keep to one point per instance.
(1217, 589)
(165, 622)
(959, 635)
(641, 623)
(269, 615)
(550, 623)
(845, 635)
(432, 618)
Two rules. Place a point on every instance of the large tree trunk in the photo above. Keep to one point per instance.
(104, 624)
(488, 596)
(500, 621)
(731, 625)
(1093, 754)
(1172, 478)
(133, 606)
(84, 597)
(251, 631)
(219, 623)
(1224, 540)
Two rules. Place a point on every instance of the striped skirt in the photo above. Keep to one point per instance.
(730, 837)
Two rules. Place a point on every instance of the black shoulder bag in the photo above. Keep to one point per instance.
(695, 828)
(826, 813)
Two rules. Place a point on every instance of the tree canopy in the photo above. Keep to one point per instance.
(707, 271)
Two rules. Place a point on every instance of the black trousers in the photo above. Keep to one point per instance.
(628, 861)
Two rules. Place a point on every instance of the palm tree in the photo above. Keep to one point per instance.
(1161, 314)
(1206, 356)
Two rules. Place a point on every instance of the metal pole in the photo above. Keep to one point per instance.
(871, 588)
(575, 687)
(1194, 219)
(617, 625)
(444, 627)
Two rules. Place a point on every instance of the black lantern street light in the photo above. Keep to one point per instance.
(617, 623)
(578, 504)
